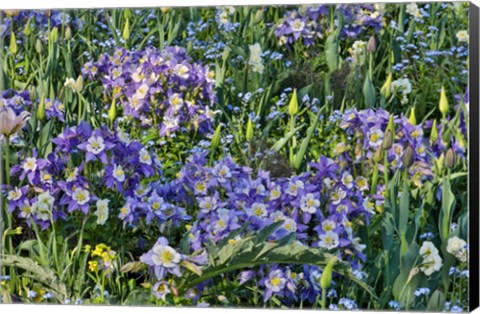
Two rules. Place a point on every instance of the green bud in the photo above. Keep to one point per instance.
(372, 45)
(387, 140)
(386, 88)
(249, 134)
(216, 137)
(126, 30)
(407, 158)
(450, 158)
(28, 28)
(378, 156)
(439, 162)
(326, 279)
(39, 46)
(79, 84)
(13, 44)
(127, 13)
(54, 35)
(293, 105)
(41, 109)
(68, 33)
(434, 132)
(112, 112)
(412, 119)
(443, 104)
(226, 53)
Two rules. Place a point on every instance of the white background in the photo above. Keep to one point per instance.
(70, 309)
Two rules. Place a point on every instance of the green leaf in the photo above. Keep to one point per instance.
(283, 141)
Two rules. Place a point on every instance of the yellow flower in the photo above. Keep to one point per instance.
(92, 265)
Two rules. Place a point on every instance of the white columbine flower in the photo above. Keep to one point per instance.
(14, 195)
(124, 211)
(81, 196)
(297, 25)
(30, 164)
(259, 210)
(145, 157)
(165, 256)
(329, 240)
(309, 204)
(142, 91)
(95, 145)
(293, 187)
(182, 71)
(338, 195)
(207, 204)
(119, 173)
(462, 36)
(375, 137)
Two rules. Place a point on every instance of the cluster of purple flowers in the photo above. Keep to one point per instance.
(154, 87)
(320, 207)
(38, 19)
(310, 22)
(19, 101)
(63, 182)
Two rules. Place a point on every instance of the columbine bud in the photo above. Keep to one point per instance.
(13, 44)
(326, 278)
(412, 119)
(293, 105)
(450, 158)
(18, 230)
(249, 134)
(443, 105)
(378, 156)
(39, 46)
(407, 158)
(54, 35)
(372, 45)
(387, 86)
(434, 132)
(387, 139)
(68, 33)
(165, 9)
(41, 109)
(126, 30)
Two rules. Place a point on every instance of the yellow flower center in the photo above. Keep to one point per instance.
(167, 256)
(275, 281)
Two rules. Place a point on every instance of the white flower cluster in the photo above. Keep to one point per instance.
(413, 10)
(102, 211)
(432, 261)
(458, 248)
(256, 58)
(358, 51)
(402, 86)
